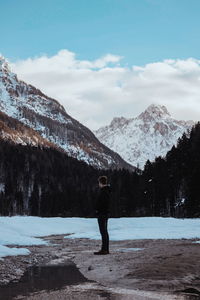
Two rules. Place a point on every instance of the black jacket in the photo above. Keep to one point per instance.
(103, 201)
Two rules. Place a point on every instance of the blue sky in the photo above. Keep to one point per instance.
(72, 50)
(141, 31)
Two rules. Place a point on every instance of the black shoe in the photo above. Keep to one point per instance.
(101, 252)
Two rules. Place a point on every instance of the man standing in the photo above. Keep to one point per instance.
(102, 211)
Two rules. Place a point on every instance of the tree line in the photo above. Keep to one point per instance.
(45, 182)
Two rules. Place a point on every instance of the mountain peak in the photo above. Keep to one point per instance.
(151, 134)
(4, 66)
(155, 111)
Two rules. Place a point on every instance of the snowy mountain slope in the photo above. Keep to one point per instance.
(16, 132)
(46, 116)
(147, 136)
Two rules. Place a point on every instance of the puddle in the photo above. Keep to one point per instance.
(190, 294)
(129, 249)
(39, 278)
(104, 295)
(190, 297)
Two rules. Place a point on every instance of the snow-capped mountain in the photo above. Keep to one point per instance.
(151, 134)
(49, 119)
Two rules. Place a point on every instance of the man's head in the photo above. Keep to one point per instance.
(103, 180)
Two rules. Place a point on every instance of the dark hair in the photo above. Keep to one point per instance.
(103, 180)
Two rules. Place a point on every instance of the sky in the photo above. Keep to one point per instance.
(107, 58)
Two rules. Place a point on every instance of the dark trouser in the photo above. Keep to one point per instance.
(103, 223)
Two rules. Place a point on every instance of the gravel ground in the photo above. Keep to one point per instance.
(159, 269)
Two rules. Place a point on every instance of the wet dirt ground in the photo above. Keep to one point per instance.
(137, 269)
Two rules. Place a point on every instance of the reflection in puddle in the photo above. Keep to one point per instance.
(129, 249)
(39, 278)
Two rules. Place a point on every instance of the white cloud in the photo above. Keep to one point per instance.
(96, 91)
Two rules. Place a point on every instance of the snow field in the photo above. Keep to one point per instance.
(22, 230)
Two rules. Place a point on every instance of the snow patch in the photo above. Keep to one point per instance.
(22, 230)
(6, 251)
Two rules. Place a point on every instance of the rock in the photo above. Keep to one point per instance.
(90, 268)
